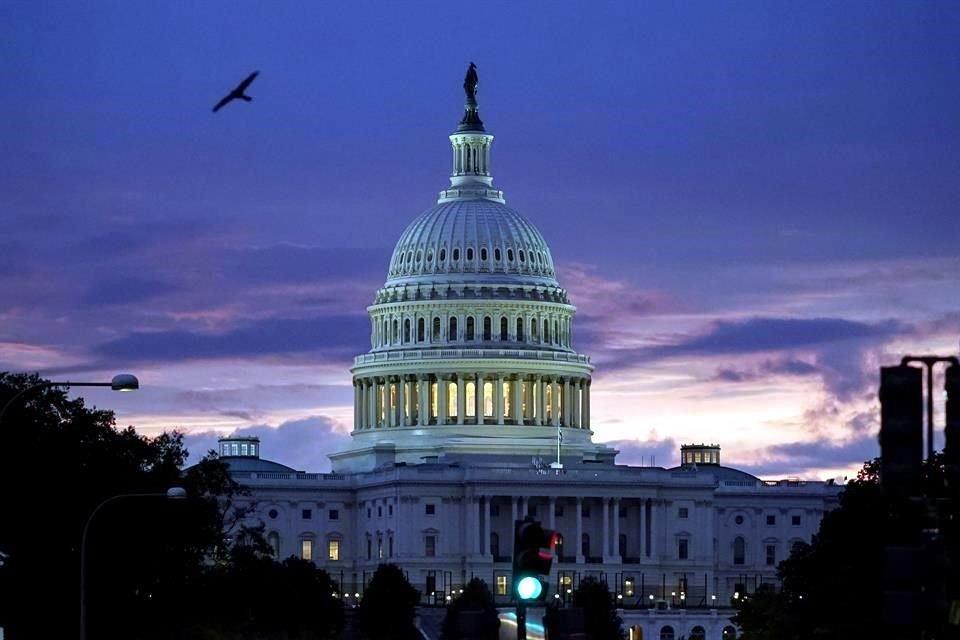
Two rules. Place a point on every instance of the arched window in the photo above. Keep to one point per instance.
(503, 329)
(443, 255)
(739, 550)
(698, 633)
(585, 545)
(523, 257)
(421, 333)
(452, 330)
(666, 633)
(519, 329)
(556, 331)
(509, 255)
(469, 335)
(456, 254)
(494, 544)
(496, 255)
(546, 331)
(483, 254)
(469, 254)
(406, 330)
(534, 329)
(435, 334)
(273, 539)
(396, 332)
(487, 330)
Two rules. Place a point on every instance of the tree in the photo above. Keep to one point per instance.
(144, 555)
(482, 619)
(389, 605)
(599, 614)
(833, 587)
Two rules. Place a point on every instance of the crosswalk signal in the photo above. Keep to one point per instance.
(533, 548)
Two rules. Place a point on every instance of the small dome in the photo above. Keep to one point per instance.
(457, 240)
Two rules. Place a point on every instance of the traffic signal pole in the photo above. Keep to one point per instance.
(521, 620)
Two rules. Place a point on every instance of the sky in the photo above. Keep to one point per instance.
(753, 205)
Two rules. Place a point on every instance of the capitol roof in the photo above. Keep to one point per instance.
(461, 238)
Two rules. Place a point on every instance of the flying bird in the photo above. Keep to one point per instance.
(237, 93)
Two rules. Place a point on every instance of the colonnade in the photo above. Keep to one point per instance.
(471, 156)
(480, 527)
(474, 398)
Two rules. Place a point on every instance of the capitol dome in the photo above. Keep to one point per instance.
(471, 341)
(458, 240)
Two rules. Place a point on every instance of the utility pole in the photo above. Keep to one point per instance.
(929, 362)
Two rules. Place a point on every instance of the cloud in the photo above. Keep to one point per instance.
(780, 367)
(126, 290)
(651, 452)
(759, 334)
(335, 336)
(301, 444)
(804, 459)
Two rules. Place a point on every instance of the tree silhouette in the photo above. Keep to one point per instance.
(481, 620)
(389, 605)
(599, 614)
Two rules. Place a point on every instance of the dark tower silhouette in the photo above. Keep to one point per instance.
(951, 448)
(901, 429)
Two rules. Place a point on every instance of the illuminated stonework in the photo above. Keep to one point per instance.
(471, 342)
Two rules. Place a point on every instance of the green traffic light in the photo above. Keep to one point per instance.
(529, 588)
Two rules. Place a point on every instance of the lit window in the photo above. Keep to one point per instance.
(452, 399)
(333, 550)
(430, 547)
(470, 399)
(507, 399)
(379, 547)
(501, 585)
(234, 449)
(434, 408)
(488, 399)
(243, 449)
(306, 549)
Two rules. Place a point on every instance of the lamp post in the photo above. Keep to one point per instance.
(173, 493)
(120, 382)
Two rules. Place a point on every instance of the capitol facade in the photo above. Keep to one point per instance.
(472, 410)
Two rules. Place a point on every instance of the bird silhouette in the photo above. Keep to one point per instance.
(237, 93)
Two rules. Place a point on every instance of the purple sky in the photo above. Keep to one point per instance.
(753, 205)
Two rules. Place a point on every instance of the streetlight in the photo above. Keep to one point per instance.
(119, 382)
(173, 493)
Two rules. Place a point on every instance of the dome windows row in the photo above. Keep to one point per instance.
(533, 329)
(412, 261)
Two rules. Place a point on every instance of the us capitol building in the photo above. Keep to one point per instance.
(472, 409)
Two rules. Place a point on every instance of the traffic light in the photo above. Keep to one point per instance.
(901, 429)
(532, 557)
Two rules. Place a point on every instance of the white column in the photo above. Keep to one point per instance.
(643, 528)
(485, 543)
(566, 403)
(388, 409)
(653, 528)
(375, 404)
(424, 396)
(356, 406)
(577, 388)
(586, 405)
(555, 403)
(443, 387)
(606, 528)
(616, 530)
(472, 519)
(514, 506)
(553, 513)
(518, 399)
(578, 543)
(478, 398)
(538, 418)
(402, 401)
(498, 399)
(461, 398)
